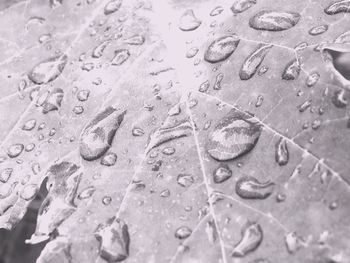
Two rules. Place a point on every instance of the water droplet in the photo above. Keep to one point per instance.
(175, 110)
(211, 231)
(281, 198)
(168, 150)
(339, 99)
(83, 95)
(218, 80)
(216, 11)
(15, 150)
(192, 52)
(312, 79)
(109, 159)
(29, 147)
(234, 135)
(293, 242)
(98, 135)
(48, 70)
(305, 105)
(222, 174)
(253, 61)
(106, 200)
(342, 6)
(165, 193)
(135, 40)
(281, 152)
(29, 192)
(240, 6)
(114, 240)
(188, 21)
(248, 187)
(120, 56)
(112, 6)
(259, 101)
(204, 86)
(29, 125)
(292, 70)
(22, 85)
(44, 38)
(183, 232)
(86, 192)
(318, 30)
(78, 110)
(221, 48)
(51, 100)
(5, 174)
(87, 66)
(251, 238)
(138, 185)
(185, 180)
(136, 131)
(98, 51)
(274, 20)
(165, 134)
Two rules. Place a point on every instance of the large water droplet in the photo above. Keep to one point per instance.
(188, 21)
(98, 135)
(234, 135)
(114, 239)
(221, 48)
(216, 11)
(253, 61)
(112, 6)
(252, 236)
(281, 152)
(240, 6)
(248, 187)
(15, 150)
(48, 70)
(342, 6)
(274, 20)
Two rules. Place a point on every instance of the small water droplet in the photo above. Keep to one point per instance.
(218, 80)
(78, 110)
(281, 152)
(318, 30)
(188, 21)
(183, 232)
(204, 86)
(120, 56)
(5, 174)
(292, 70)
(29, 125)
(274, 20)
(339, 99)
(305, 105)
(259, 101)
(136, 131)
(29, 192)
(192, 52)
(168, 150)
(248, 187)
(83, 95)
(106, 200)
(222, 173)
(109, 159)
(86, 192)
(221, 48)
(293, 242)
(135, 40)
(240, 6)
(185, 180)
(216, 11)
(98, 51)
(312, 79)
(112, 6)
(165, 193)
(15, 150)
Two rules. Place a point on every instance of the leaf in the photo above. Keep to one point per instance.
(176, 131)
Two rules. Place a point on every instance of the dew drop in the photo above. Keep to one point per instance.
(248, 187)
(29, 125)
(189, 22)
(106, 200)
(338, 99)
(109, 159)
(86, 192)
(222, 174)
(251, 238)
(165, 193)
(168, 150)
(342, 6)
(135, 40)
(221, 48)
(48, 70)
(259, 101)
(183, 232)
(218, 80)
(204, 86)
(292, 70)
(216, 11)
(234, 135)
(185, 180)
(240, 6)
(192, 52)
(318, 30)
(305, 105)
(15, 150)
(51, 100)
(78, 110)
(98, 135)
(83, 95)
(5, 174)
(312, 79)
(281, 152)
(120, 56)
(293, 242)
(274, 20)
(98, 51)
(112, 6)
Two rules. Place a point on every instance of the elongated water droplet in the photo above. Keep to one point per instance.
(292, 70)
(189, 22)
(221, 48)
(253, 61)
(281, 152)
(240, 6)
(218, 80)
(135, 40)
(305, 105)
(98, 51)
(48, 70)
(114, 239)
(318, 30)
(165, 134)
(204, 86)
(136, 131)
(112, 6)
(234, 135)
(222, 174)
(251, 238)
(312, 79)
(216, 11)
(183, 232)
(192, 52)
(248, 187)
(274, 20)
(259, 101)
(86, 192)
(342, 6)
(120, 56)
(98, 135)
(212, 232)
(293, 242)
